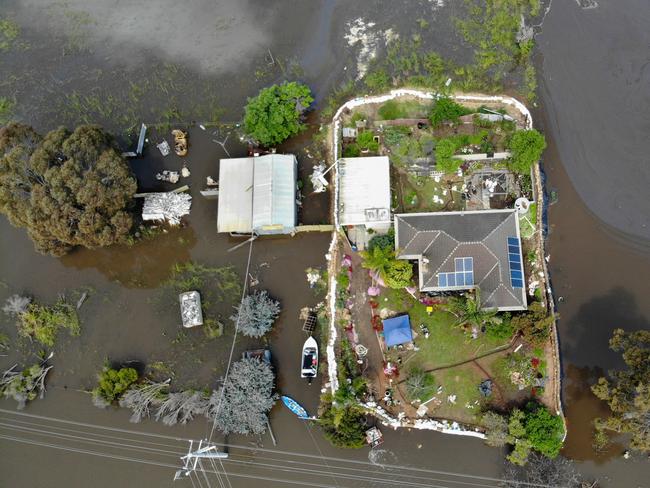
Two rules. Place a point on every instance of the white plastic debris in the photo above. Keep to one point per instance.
(163, 147)
(166, 206)
(185, 172)
(191, 309)
(209, 181)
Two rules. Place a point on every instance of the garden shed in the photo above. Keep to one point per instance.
(365, 192)
(258, 194)
(397, 331)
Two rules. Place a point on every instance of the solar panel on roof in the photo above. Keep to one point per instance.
(442, 279)
(514, 262)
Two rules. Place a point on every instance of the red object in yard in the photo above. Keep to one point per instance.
(534, 362)
(376, 323)
(373, 304)
(533, 391)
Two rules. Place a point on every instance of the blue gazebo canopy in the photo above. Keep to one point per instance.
(397, 330)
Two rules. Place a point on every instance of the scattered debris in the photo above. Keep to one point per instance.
(166, 206)
(485, 388)
(82, 299)
(374, 437)
(164, 148)
(209, 181)
(191, 313)
(185, 172)
(180, 142)
(318, 180)
(169, 176)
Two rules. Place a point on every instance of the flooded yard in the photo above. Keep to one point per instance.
(120, 64)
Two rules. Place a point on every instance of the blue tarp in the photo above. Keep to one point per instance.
(397, 330)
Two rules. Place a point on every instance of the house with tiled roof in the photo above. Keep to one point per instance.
(458, 251)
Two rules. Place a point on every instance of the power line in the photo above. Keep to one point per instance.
(272, 451)
(268, 466)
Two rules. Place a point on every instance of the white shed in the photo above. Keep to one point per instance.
(365, 192)
(258, 194)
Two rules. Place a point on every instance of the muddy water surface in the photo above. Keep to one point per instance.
(154, 71)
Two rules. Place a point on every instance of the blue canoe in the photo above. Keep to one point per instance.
(295, 407)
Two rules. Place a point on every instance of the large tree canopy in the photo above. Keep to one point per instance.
(274, 114)
(526, 147)
(67, 189)
(627, 392)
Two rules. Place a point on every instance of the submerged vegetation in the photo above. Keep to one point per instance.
(24, 386)
(627, 392)
(256, 314)
(42, 322)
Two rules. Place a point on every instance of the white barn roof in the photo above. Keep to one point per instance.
(258, 194)
(365, 191)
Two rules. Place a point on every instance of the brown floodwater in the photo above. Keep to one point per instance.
(592, 73)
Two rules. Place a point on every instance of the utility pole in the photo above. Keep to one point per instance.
(192, 458)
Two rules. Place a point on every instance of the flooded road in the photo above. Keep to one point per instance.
(596, 129)
(595, 92)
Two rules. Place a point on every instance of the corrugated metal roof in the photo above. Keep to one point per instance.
(274, 194)
(365, 190)
(235, 213)
(257, 194)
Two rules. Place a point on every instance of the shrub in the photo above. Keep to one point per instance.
(391, 110)
(526, 147)
(446, 110)
(384, 241)
(112, 383)
(256, 314)
(420, 385)
(445, 162)
(352, 151)
(343, 426)
(367, 142)
(534, 325)
(343, 279)
(399, 274)
(501, 330)
(43, 323)
(496, 429)
(377, 80)
(274, 114)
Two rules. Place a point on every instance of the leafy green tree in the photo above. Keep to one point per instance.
(446, 110)
(67, 189)
(445, 161)
(544, 431)
(627, 391)
(274, 114)
(112, 383)
(526, 147)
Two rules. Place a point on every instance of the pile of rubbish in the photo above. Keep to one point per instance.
(168, 176)
(166, 206)
(318, 180)
(180, 142)
(191, 309)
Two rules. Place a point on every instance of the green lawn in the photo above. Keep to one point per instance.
(446, 343)
(462, 382)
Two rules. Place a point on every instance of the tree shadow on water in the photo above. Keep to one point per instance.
(585, 335)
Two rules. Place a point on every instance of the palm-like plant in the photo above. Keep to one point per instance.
(468, 311)
(378, 259)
